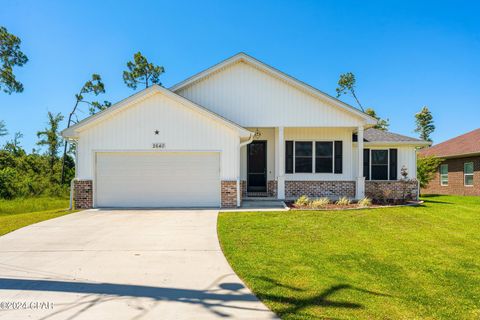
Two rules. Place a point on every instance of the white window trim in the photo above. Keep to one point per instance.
(388, 163)
(468, 174)
(313, 156)
(445, 174)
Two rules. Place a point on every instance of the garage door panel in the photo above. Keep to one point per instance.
(160, 179)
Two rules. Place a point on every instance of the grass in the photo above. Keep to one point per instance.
(18, 213)
(388, 263)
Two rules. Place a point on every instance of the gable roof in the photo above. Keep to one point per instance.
(243, 57)
(142, 95)
(463, 145)
(376, 136)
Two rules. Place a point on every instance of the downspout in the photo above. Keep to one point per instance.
(242, 144)
(72, 182)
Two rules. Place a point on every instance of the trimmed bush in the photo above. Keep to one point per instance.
(343, 201)
(319, 203)
(365, 202)
(303, 201)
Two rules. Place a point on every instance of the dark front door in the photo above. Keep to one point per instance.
(257, 166)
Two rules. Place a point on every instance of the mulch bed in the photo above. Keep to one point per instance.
(352, 206)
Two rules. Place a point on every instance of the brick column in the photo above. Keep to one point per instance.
(229, 194)
(83, 194)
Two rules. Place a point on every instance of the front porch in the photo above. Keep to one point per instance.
(285, 163)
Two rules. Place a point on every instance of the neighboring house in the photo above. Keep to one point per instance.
(459, 173)
(240, 128)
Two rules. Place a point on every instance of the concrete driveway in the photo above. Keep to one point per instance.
(122, 264)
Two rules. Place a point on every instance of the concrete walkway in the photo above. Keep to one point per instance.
(122, 264)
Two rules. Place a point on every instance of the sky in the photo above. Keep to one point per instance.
(405, 54)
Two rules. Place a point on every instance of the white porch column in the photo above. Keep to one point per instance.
(360, 187)
(280, 163)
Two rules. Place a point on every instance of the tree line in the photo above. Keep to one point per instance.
(24, 174)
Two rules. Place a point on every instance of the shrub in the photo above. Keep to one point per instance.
(343, 201)
(426, 169)
(9, 186)
(303, 201)
(365, 202)
(319, 203)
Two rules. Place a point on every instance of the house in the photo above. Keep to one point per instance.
(459, 173)
(238, 129)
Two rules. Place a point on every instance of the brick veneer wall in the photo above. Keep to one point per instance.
(455, 179)
(83, 194)
(391, 190)
(229, 194)
(331, 189)
(272, 188)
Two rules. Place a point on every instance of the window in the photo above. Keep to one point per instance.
(379, 165)
(468, 173)
(324, 157)
(444, 174)
(313, 156)
(303, 156)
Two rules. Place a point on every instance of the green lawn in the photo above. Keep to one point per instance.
(390, 263)
(18, 213)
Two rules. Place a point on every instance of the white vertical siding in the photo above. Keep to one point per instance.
(180, 128)
(407, 157)
(251, 98)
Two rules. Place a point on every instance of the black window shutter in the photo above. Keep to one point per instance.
(366, 163)
(338, 157)
(288, 156)
(393, 164)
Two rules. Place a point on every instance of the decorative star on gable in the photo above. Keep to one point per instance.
(156, 132)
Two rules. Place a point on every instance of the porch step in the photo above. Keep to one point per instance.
(257, 194)
(259, 199)
(262, 204)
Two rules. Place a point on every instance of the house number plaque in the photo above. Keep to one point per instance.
(158, 145)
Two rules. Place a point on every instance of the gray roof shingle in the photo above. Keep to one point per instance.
(376, 135)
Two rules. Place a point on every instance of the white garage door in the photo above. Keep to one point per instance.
(158, 179)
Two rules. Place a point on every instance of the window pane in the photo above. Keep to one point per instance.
(469, 179)
(468, 167)
(379, 157)
(324, 157)
(379, 172)
(324, 149)
(303, 149)
(444, 169)
(323, 165)
(444, 179)
(303, 164)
